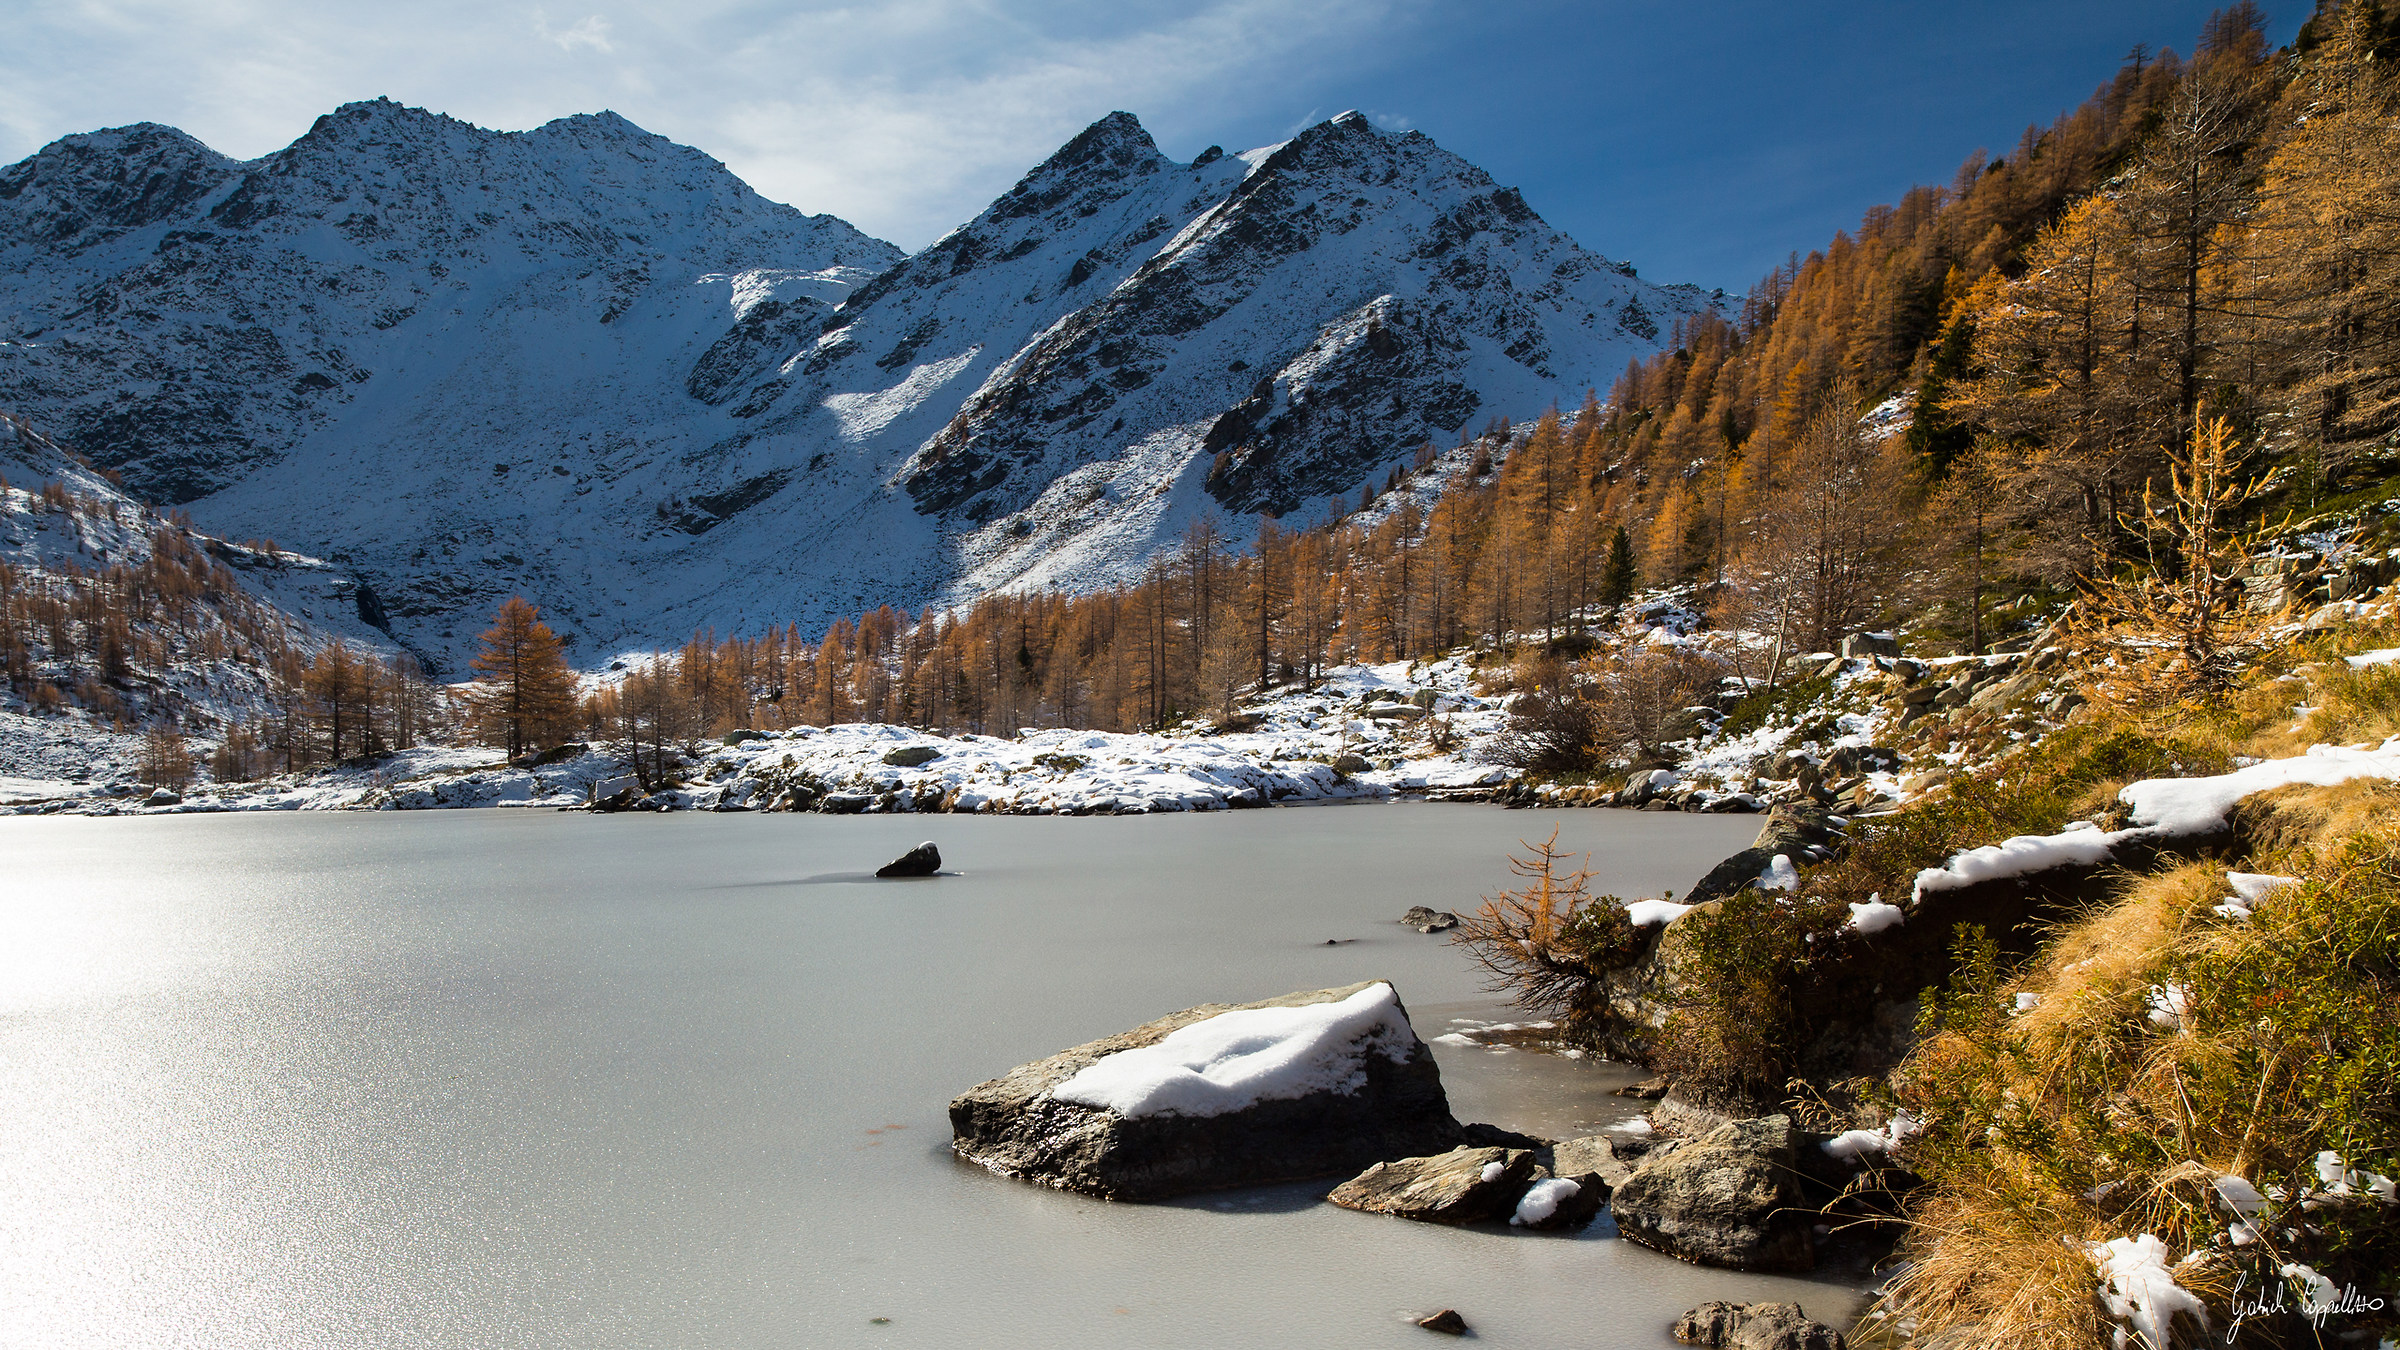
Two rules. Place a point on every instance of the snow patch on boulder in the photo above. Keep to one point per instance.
(1234, 1060)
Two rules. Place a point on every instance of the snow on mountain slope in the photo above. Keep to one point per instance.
(590, 365)
(181, 630)
(94, 525)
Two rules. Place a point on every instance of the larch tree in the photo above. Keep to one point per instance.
(525, 693)
(2329, 224)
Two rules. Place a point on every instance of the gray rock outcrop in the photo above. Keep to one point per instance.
(1464, 1185)
(1731, 1199)
(1016, 1125)
(1592, 1155)
(1428, 920)
(1755, 1326)
(1801, 833)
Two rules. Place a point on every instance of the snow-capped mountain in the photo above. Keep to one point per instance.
(587, 364)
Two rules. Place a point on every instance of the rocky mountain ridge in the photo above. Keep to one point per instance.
(590, 365)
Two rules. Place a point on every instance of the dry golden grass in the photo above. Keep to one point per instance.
(1991, 1269)
(2083, 1094)
(2088, 1096)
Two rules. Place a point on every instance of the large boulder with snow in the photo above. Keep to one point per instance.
(1732, 1198)
(1308, 1085)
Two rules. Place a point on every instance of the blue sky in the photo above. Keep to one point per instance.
(1702, 141)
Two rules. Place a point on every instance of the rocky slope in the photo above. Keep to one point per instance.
(587, 364)
(194, 616)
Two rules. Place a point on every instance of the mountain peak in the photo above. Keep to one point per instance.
(602, 126)
(1111, 150)
(83, 189)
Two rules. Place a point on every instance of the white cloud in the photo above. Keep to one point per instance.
(1391, 121)
(904, 117)
(591, 34)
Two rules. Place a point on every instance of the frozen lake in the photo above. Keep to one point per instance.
(510, 1079)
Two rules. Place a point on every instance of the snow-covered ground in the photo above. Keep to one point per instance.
(2162, 809)
(1364, 732)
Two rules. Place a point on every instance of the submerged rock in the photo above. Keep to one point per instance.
(1428, 920)
(1731, 1199)
(922, 861)
(1755, 1326)
(1308, 1085)
(1465, 1185)
(1447, 1322)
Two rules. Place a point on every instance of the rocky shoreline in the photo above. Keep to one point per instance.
(1334, 1084)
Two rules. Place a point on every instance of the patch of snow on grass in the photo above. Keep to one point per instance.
(2168, 1005)
(1235, 1060)
(2163, 808)
(1851, 1145)
(2249, 888)
(2188, 806)
(2139, 1289)
(1875, 916)
(1643, 913)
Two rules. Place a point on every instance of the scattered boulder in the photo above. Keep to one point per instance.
(1870, 644)
(1447, 1322)
(910, 756)
(1649, 1089)
(1730, 1199)
(922, 861)
(1351, 764)
(1560, 1202)
(1755, 1326)
(1850, 759)
(1464, 1185)
(164, 796)
(1128, 1118)
(1426, 920)
(1593, 1155)
(1796, 831)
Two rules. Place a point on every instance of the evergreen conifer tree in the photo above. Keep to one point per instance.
(1616, 578)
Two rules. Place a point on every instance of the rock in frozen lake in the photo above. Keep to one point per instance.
(1307, 1085)
(1465, 1185)
(1732, 1199)
(922, 861)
